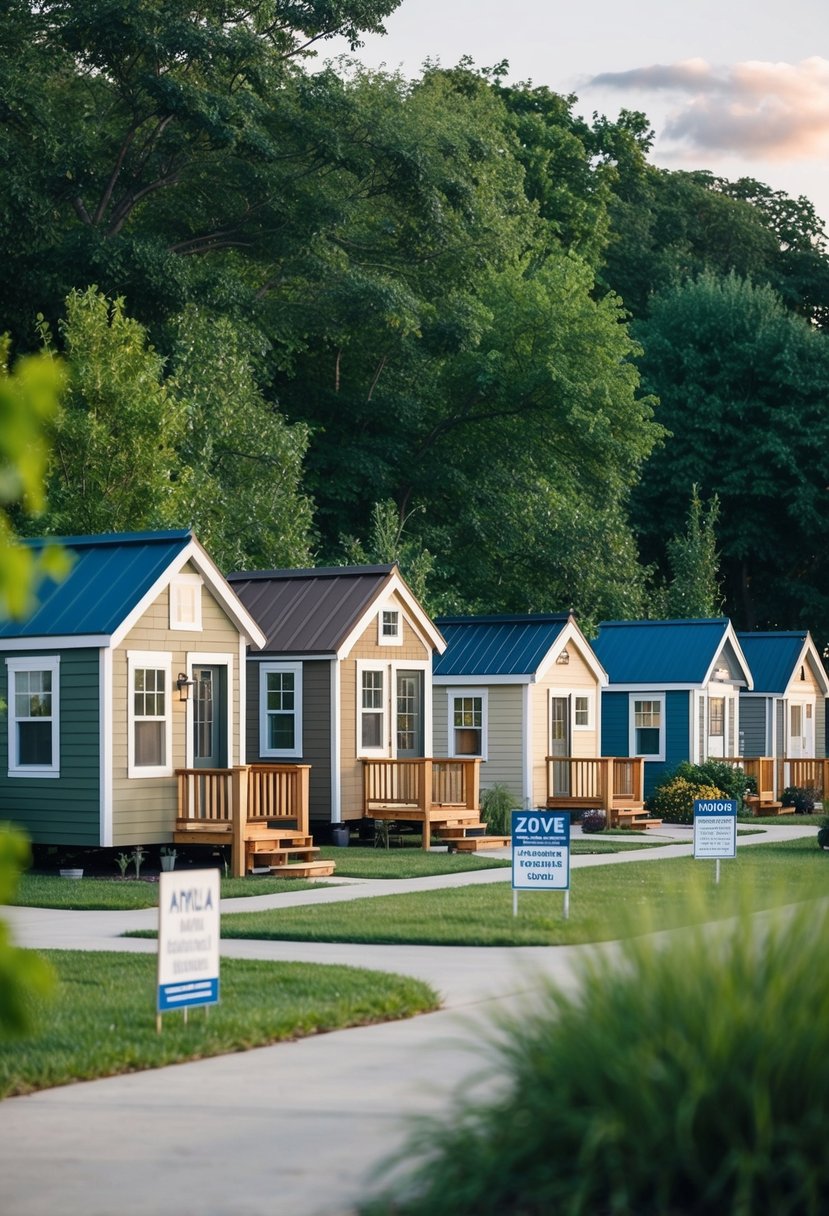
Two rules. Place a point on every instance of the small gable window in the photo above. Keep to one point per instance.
(185, 602)
(34, 719)
(391, 627)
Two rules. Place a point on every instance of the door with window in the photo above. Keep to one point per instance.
(560, 744)
(409, 714)
(801, 744)
(716, 727)
(210, 717)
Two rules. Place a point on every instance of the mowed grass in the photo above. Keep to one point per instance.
(606, 902)
(100, 1020)
(118, 895)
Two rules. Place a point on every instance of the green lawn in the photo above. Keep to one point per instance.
(606, 902)
(101, 1018)
(95, 894)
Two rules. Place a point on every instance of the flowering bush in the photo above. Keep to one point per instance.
(673, 802)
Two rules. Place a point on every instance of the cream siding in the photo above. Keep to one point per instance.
(563, 679)
(411, 650)
(144, 808)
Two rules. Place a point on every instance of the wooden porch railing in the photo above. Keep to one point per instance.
(214, 798)
(422, 786)
(762, 769)
(806, 774)
(603, 782)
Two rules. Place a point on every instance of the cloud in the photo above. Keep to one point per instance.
(779, 111)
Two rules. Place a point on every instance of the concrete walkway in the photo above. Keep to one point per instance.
(296, 1129)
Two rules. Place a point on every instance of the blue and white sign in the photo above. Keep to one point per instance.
(540, 850)
(715, 828)
(188, 939)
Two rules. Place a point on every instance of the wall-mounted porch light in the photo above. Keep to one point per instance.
(183, 684)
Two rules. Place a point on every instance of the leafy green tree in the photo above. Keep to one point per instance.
(743, 385)
(239, 465)
(114, 440)
(386, 544)
(694, 589)
(23, 974)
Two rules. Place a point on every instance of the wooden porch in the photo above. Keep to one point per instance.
(775, 775)
(443, 796)
(613, 784)
(259, 810)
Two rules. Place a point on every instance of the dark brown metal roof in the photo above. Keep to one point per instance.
(308, 611)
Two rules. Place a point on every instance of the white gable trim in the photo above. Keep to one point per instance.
(730, 635)
(572, 634)
(193, 552)
(809, 652)
(62, 642)
(422, 624)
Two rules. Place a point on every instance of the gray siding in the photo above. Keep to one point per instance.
(753, 725)
(316, 728)
(820, 727)
(64, 809)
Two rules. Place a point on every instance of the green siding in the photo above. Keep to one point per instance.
(64, 809)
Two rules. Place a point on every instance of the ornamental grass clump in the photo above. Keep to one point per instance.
(679, 1078)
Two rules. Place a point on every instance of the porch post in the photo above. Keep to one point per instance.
(239, 803)
(426, 798)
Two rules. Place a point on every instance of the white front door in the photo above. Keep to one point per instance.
(717, 725)
(801, 741)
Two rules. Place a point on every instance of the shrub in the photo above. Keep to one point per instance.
(823, 833)
(674, 800)
(731, 782)
(729, 1115)
(593, 821)
(497, 804)
(802, 798)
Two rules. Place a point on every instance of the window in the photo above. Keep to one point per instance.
(390, 627)
(185, 602)
(34, 717)
(467, 723)
(150, 714)
(716, 717)
(582, 711)
(280, 704)
(648, 727)
(372, 710)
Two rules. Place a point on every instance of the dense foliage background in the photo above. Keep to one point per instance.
(321, 314)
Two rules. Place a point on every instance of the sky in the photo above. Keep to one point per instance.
(741, 89)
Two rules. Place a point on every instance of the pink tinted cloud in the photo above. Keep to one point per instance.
(776, 110)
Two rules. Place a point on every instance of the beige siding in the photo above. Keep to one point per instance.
(803, 688)
(570, 679)
(144, 808)
(367, 647)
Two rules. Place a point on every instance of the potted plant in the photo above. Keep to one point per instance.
(168, 858)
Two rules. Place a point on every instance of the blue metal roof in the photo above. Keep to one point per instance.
(659, 652)
(110, 574)
(772, 657)
(496, 645)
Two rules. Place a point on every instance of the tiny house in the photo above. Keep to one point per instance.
(127, 671)
(673, 692)
(343, 682)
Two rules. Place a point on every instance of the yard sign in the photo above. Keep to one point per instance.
(541, 853)
(188, 940)
(715, 829)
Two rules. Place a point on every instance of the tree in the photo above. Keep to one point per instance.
(386, 544)
(694, 589)
(743, 385)
(24, 975)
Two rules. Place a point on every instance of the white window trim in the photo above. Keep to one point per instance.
(181, 580)
(159, 661)
(452, 694)
(646, 696)
(364, 665)
(589, 695)
(273, 752)
(388, 639)
(36, 663)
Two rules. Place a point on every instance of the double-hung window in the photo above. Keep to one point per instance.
(390, 627)
(280, 709)
(467, 723)
(371, 709)
(647, 727)
(582, 711)
(150, 714)
(34, 716)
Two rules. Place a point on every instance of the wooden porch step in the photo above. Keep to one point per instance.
(277, 840)
(303, 869)
(633, 819)
(478, 844)
(460, 831)
(278, 856)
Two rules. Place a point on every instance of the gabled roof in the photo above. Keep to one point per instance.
(318, 611)
(509, 645)
(112, 578)
(774, 657)
(654, 653)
